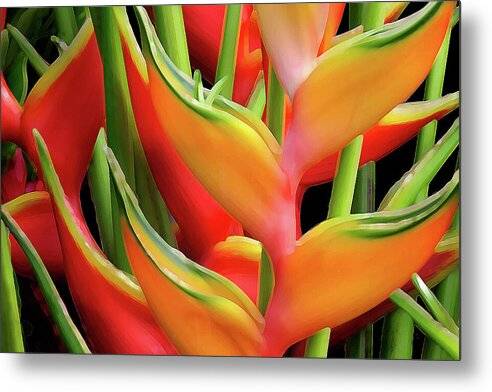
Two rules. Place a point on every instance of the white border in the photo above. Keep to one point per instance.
(144, 374)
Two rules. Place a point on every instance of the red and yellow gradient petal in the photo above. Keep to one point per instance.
(444, 259)
(292, 34)
(33, 213)
(225, 321)
(341, 268)
(359, 81)
(66, 106)
(392, 131)
(111, 305)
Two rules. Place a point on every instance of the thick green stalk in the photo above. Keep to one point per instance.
(10, 326)
(226, 65)
(275, 105)
(66, 23)
(73, 340)
(171, 32)
(360, 345)
(100, 186)
(344, 182)
(448, 294)
(397, 336)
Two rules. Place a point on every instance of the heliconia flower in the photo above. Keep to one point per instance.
(186, 198)
(110, 303)
(33, 213)
(225, 321)
(393, 10)
(341, 268)
(238, 259)
(392, 131)
(62, 90)
(203, 25)
(366, 80)
(11, 111)
(238, 149)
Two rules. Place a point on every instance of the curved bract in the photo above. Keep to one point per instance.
(225, 321)
(33, 213)
(341, 268)
(357, 82)
(110, 303)
(66, 105)
(392, 131)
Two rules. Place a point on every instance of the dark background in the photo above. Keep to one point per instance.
(40, 335)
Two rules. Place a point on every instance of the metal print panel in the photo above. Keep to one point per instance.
(257, 180)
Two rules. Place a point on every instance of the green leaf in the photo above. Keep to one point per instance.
(433, 329)
(69, 333)
(10, 325)
(434, 306)
(17, 78)
(407, 189)
(38, 63)
(100, 187)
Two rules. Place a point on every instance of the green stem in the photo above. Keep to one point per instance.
(171, 32)
(226, 65)
(344, 182)
(397, 336)
(275, 105)
(100, 187)
(69, 333)
(361, 344)
(448, 294)
(66, 23)
(10, 325)
(433, 329)
(39, 64)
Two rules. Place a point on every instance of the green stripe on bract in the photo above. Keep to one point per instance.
(397, 31)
